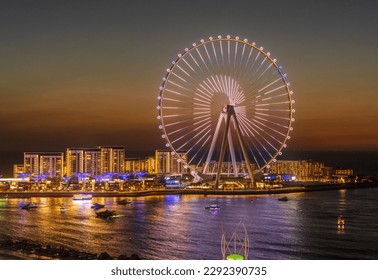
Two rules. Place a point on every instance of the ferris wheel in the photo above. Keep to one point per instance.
(225, 106)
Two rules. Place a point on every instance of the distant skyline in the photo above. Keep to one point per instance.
(87, 73)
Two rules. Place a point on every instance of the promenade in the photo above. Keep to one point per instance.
(195, 191)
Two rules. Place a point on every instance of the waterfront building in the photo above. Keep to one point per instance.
(168, 163)
(92, 161)
(51, 164)
(31, 163)
(18, 169)
(83, 160)
(133, 165)
(303, 170)
(151, 165)
(74, 161)
(327, 173)
(228, 168)
(44, 163)
(343, 175)
(112, 159)
(343, 171)
(139, 165)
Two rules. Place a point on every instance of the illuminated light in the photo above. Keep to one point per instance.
(161, 88)
(261, 48)
(253, 44)
(280, 153)
(293, 120)
(284, 145)
(246, 40)
(288, 137)
(274, 60)
(186, 49)
(237, 37)
(210, 38)
(219, 36)
(158, 107)
(168, 70)
(288, 83)
(167, 145)
(268, 53)
(228, 36)
(179, 55)
(194, 44)
(159, 97)
(172, 153)
(163, 136)
(186, 166)
(160, 126)
(268, 166)
(164, 78)
(293, 101)
(293, 110)
(291, 92)
(173, 62)
(178, 160)
(158, 117)
(291, 128)
(274, 160)
(284, 75)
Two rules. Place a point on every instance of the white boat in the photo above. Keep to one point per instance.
(213, 207)
(82, 197)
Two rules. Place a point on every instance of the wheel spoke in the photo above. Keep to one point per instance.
(225, 84)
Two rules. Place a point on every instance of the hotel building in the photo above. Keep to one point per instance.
(166, 163)
(92, 161)
(18, 169)
(74, 161)
(303, 170)
(95, 161)
(112, 159)
(44, 163)
(137, 165)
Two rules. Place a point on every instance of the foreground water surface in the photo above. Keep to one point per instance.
(179, 226)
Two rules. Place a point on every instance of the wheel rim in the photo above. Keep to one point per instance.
(221, 72)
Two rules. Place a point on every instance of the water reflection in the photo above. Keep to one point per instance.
(342, 201)
(179, 226)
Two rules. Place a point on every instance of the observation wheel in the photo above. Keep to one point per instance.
(225, 108)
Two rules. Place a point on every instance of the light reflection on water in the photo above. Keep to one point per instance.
(179, 227)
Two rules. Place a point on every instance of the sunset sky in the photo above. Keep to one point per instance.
(87, 73)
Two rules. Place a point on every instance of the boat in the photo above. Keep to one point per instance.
(340, 222)
(106, 214)
(124, 202)
(283, 198)
(97, 206)
(213, 207)
(82, 197)
(29, 205)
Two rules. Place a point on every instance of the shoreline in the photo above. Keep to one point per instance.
(24, 249)
(254, 192)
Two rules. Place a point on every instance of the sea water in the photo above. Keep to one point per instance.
(179, 226)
